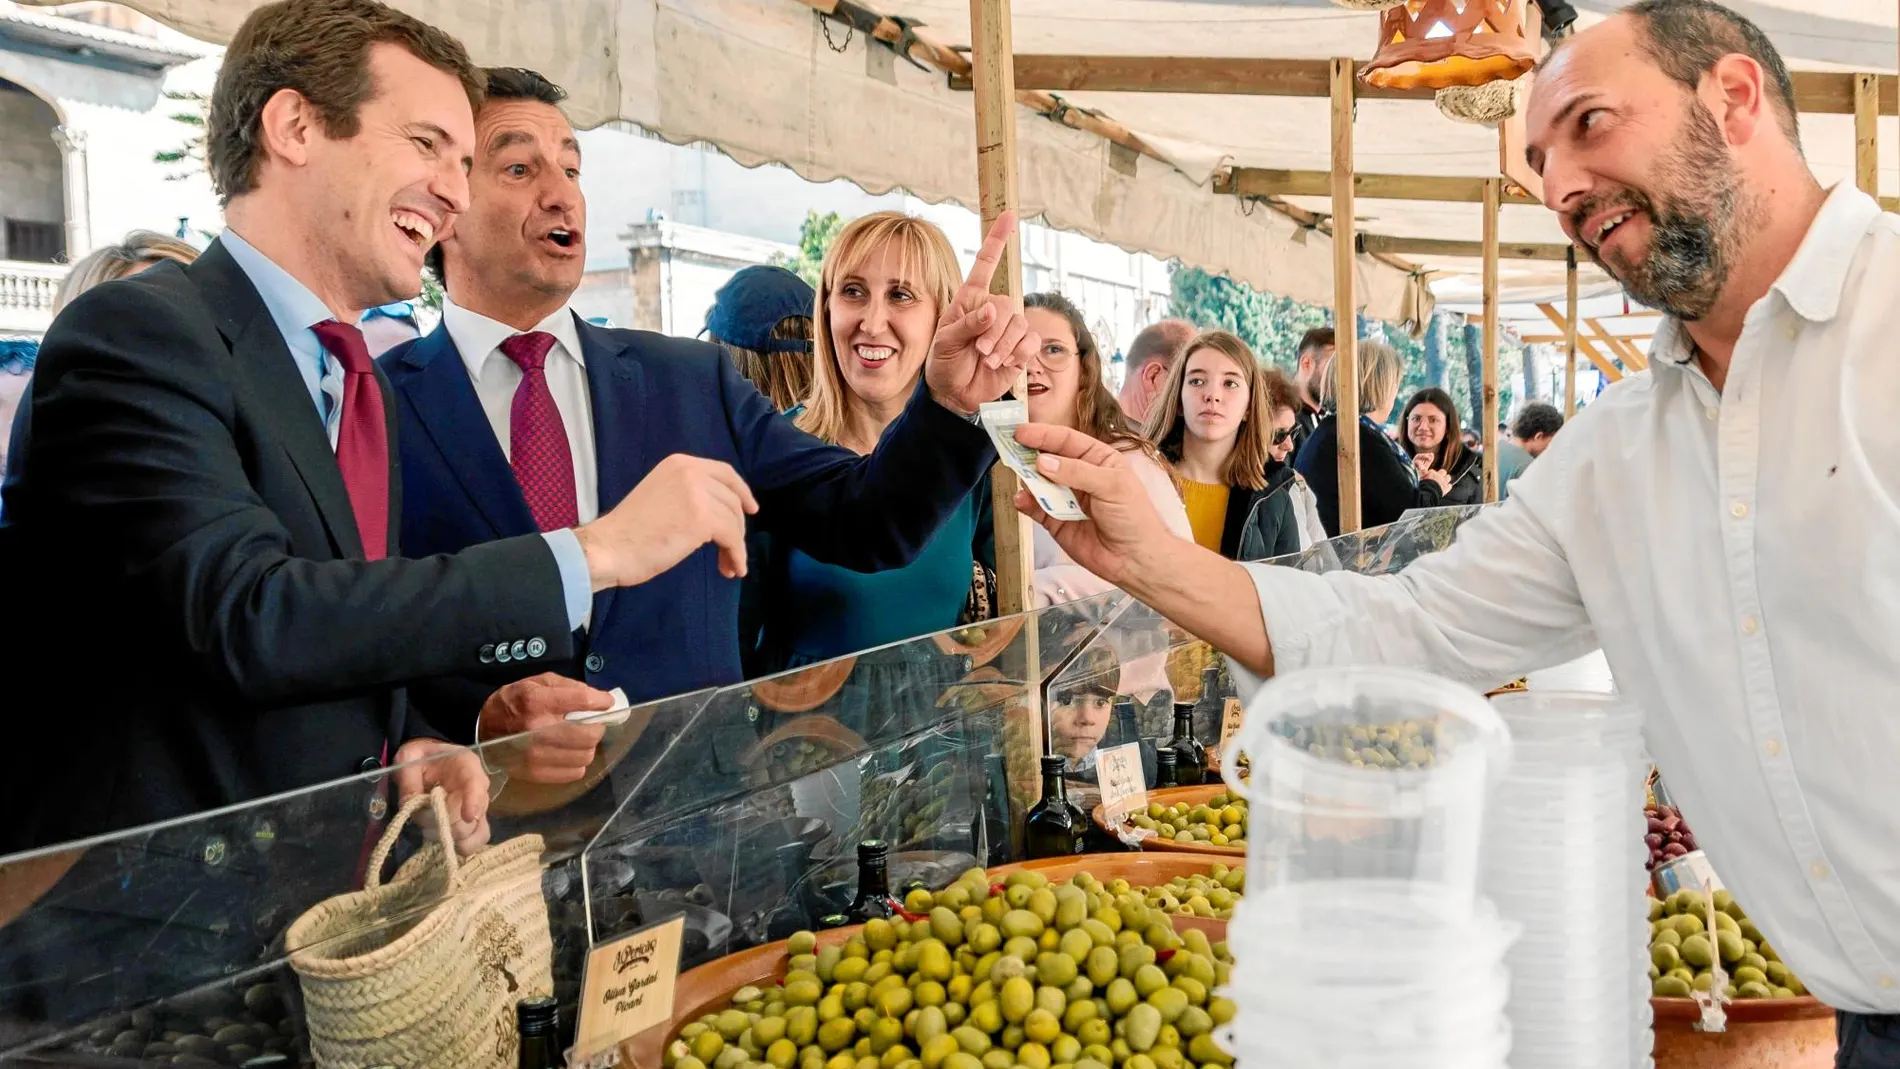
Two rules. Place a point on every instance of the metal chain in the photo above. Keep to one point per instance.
(835, 46)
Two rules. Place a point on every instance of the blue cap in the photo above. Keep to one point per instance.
(753, 301)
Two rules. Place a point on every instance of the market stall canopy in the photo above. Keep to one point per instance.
(773, 81)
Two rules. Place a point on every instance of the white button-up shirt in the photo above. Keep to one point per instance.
(1737, 557)
(495, 377)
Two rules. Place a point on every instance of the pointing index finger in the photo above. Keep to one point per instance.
(991, 254)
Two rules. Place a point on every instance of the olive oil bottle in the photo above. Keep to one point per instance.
(1054, 826)
(1190, 757)
(874, 883)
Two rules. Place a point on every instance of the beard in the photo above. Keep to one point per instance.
(1696, 227)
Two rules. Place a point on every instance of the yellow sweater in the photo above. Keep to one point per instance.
(1207, 511)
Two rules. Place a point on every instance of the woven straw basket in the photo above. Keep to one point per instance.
(424, 971)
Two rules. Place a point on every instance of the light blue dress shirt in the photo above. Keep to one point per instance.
(295, 310)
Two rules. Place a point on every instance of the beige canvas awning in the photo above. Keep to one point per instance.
(774, 81)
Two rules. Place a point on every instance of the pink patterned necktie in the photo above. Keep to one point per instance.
(537, 439)
(362, 438)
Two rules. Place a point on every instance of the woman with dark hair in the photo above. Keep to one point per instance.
(1066, 388)
(1226, 426)
(1448, 473)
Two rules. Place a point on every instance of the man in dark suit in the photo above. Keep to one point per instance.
(204, 511)
(517, 415)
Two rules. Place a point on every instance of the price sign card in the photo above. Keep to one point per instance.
(627, 989)
(1229, 721)
(1124, 785)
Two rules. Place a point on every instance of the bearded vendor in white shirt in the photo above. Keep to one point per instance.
(1726, 527)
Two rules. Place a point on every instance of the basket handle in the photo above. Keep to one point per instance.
(437, 799)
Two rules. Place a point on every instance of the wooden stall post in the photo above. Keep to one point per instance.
(1570, 334)
(1866, 133)
(1492, 191)
(993, 76)
(993, 80)
(1345, 369)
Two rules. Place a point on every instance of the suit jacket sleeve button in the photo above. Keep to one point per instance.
(536, 647)
(519, 651)
(595, 662)
(502, 654)
(488, 653)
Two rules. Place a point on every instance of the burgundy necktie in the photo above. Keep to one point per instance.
(362, 439)
(537, 439)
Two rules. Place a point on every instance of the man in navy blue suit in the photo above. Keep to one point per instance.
(517, 415)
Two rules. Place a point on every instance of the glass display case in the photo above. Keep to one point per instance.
(739, 807)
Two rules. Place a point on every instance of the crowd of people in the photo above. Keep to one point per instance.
(321, 561)
(249, 446)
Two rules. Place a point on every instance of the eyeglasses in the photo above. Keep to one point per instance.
(1281, 436)
(1055, 357)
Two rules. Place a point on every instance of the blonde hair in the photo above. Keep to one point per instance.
(1379, 374)
(784, 378)
(927, 262)
(140, 250)
(1247, 464)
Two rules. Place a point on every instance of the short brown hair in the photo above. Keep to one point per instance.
(320, 49)
(1317, 338)
(1247, 465)
(1281, 393)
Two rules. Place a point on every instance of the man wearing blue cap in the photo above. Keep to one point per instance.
(517, 416)
(763, 316)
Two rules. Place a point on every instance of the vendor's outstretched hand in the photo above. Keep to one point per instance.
(982, 339)
(1122, 518)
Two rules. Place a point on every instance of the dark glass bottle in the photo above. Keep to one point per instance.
(874, 883)
(995, 850)
(1054, 827)
(1190, 757)
(1208, 708)
(1164, 768)
(793, 912)
(538, 1020)
(1124, 723)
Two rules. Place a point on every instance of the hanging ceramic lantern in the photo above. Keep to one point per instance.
(1432, 44)
(1485, 105)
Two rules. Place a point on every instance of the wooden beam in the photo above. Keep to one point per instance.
(1270, 182)
(1831, 93)
(1816, 92)
(996, 190)
(1345, 369)
(1513, 132)
(918, 44)
(1570, 335)
(1215, 75)
(1866, 135)
(1602, 363)
(1632, 357)
(1492, 188)
(1441, 248)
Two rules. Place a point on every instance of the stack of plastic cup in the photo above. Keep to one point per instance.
(1564, 855)
(1363, 941)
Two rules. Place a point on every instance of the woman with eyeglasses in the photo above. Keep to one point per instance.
(1066, 388)
(1226, 424)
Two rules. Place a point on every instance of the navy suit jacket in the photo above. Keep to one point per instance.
(654, 396)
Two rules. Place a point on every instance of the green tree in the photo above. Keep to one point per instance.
(815, 236)
(1270, 325)
(192, 152)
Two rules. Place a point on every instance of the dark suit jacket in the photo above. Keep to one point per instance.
(654, 396)
(195, 603)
